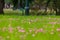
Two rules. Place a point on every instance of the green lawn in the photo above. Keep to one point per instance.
(29, 27)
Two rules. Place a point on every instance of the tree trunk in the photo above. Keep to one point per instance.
(1, 6)
(58, 12)
(48, 1)
(58, 7)
(55, 5)
(15, 3)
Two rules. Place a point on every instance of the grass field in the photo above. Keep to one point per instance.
(29, 27)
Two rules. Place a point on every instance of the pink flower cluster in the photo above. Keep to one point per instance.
(22, 30)
(52, 22)
(10, 29)
(58, 29)
(39, 30)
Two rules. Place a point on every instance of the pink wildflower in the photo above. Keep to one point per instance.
(58, 29)
(30, 30)
(21, 30)
(40, 30)
(52, 22)
(10, 29)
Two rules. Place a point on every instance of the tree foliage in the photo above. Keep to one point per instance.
(51, 4)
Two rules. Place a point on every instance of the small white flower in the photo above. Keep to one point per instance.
(33, 35)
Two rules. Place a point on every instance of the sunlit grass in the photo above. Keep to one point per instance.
(29, 27)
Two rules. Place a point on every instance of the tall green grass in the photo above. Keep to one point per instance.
(33, 27)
